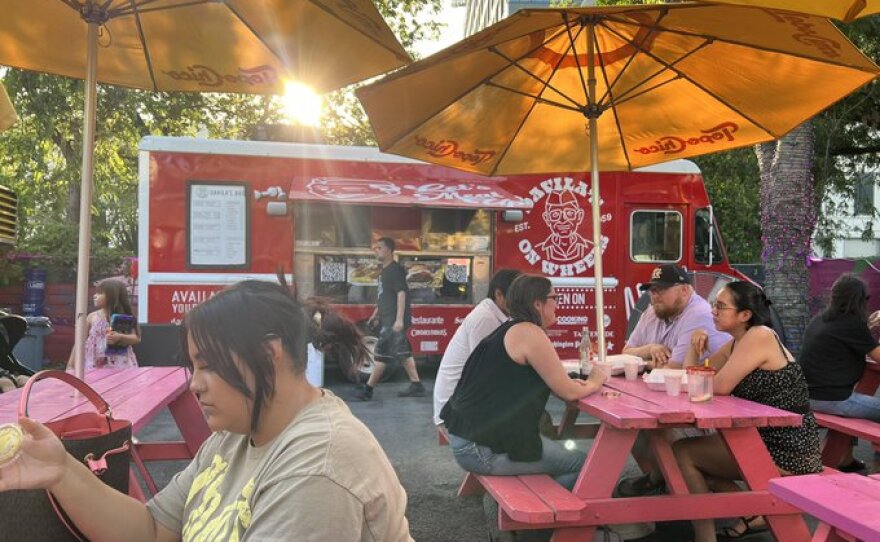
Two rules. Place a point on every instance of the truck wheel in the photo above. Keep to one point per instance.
(361, 374)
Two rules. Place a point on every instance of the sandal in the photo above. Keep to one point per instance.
(732, 533)
(640, 486)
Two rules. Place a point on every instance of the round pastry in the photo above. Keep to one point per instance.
(10, 442)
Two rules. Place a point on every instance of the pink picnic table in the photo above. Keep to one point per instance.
(137, 395)
(847, 505)
(636, 409)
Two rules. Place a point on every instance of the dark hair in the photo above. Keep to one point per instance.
(849, 296)
(388, 242)
(116, 299)
(335, 335)
(522, 294)
(749, 297)
(237, 322)
(501, 280)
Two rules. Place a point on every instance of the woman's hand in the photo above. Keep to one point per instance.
(112, 337)
(598, 376)
(700, 342)
(874, 320)
(41, 463)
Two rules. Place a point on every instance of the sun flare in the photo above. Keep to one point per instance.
(301, 104)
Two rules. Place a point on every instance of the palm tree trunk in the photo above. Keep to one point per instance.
(788, 219)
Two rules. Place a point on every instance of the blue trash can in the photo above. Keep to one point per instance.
(34, 301)
(29, 350)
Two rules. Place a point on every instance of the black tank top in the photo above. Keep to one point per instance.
(498, 403)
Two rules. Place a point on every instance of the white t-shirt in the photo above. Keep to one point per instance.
(476, 326)
(324, 478)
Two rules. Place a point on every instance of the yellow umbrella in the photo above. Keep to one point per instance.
(7, 113)
(243, 46)
(844, 10)
(635, 85)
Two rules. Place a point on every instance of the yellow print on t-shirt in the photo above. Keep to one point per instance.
(207, 521)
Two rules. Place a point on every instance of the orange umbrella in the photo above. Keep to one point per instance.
(243, 46)
(635, 85)
(844, 10)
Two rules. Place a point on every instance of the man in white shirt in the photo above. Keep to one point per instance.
(476, 326)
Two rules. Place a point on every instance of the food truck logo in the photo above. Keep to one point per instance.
(443, 148)
(470, 193)
(207, 76)
(343, 189)
(675, 144)
(562, 250)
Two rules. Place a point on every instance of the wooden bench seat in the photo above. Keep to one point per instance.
(848, 505)
(856, 427)
(528, 498)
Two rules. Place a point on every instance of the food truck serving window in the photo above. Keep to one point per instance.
(218, 225)
(435, 246)
(655, 236)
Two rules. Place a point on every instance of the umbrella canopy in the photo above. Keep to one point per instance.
(635, 85)
(7, 113)
(844, 10)
(245, 46)
(231, 46)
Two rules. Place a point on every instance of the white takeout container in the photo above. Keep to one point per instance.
(656, 379)
(617, 361)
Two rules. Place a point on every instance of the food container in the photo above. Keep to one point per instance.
(700, 383)
(656, 379)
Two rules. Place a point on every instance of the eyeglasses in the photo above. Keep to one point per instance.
(554, 297)
(563, 214)
(719, 306)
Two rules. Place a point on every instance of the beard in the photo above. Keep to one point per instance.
(668, 311)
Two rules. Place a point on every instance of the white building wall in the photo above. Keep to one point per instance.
(849, 243)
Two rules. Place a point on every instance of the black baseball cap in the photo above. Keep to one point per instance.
(667, 275)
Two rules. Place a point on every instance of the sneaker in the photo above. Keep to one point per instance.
(364, 394)
(640, 486)
(415, 389)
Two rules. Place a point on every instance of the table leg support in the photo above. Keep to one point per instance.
(190, 421)
(757, 468)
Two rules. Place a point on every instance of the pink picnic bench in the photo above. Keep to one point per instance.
(538, 502)
(137, 395)
(841, 430)
(848, 505)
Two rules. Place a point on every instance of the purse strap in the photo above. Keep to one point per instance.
(100, 404)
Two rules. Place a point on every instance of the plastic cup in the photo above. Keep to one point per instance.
(673, 384)
(631, 369)
(700, 383)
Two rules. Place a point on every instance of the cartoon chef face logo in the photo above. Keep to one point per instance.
(559, 249)
(563, 217)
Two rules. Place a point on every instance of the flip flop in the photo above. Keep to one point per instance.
(730, 533)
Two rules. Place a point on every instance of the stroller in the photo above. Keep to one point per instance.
(12, 373)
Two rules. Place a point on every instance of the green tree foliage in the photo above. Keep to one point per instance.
(42, 155)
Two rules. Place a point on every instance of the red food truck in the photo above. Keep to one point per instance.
(215, 212)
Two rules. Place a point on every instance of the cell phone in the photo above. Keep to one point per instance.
(122, 323)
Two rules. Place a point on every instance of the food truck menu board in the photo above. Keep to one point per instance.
(218, 225)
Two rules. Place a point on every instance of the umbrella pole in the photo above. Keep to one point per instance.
(85, 202)
(592, 113)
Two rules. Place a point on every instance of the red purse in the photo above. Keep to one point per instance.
(100, 442)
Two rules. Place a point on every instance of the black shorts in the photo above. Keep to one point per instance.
(392, 346)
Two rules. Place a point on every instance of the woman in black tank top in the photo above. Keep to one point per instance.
(754, 366)
(494, 413)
